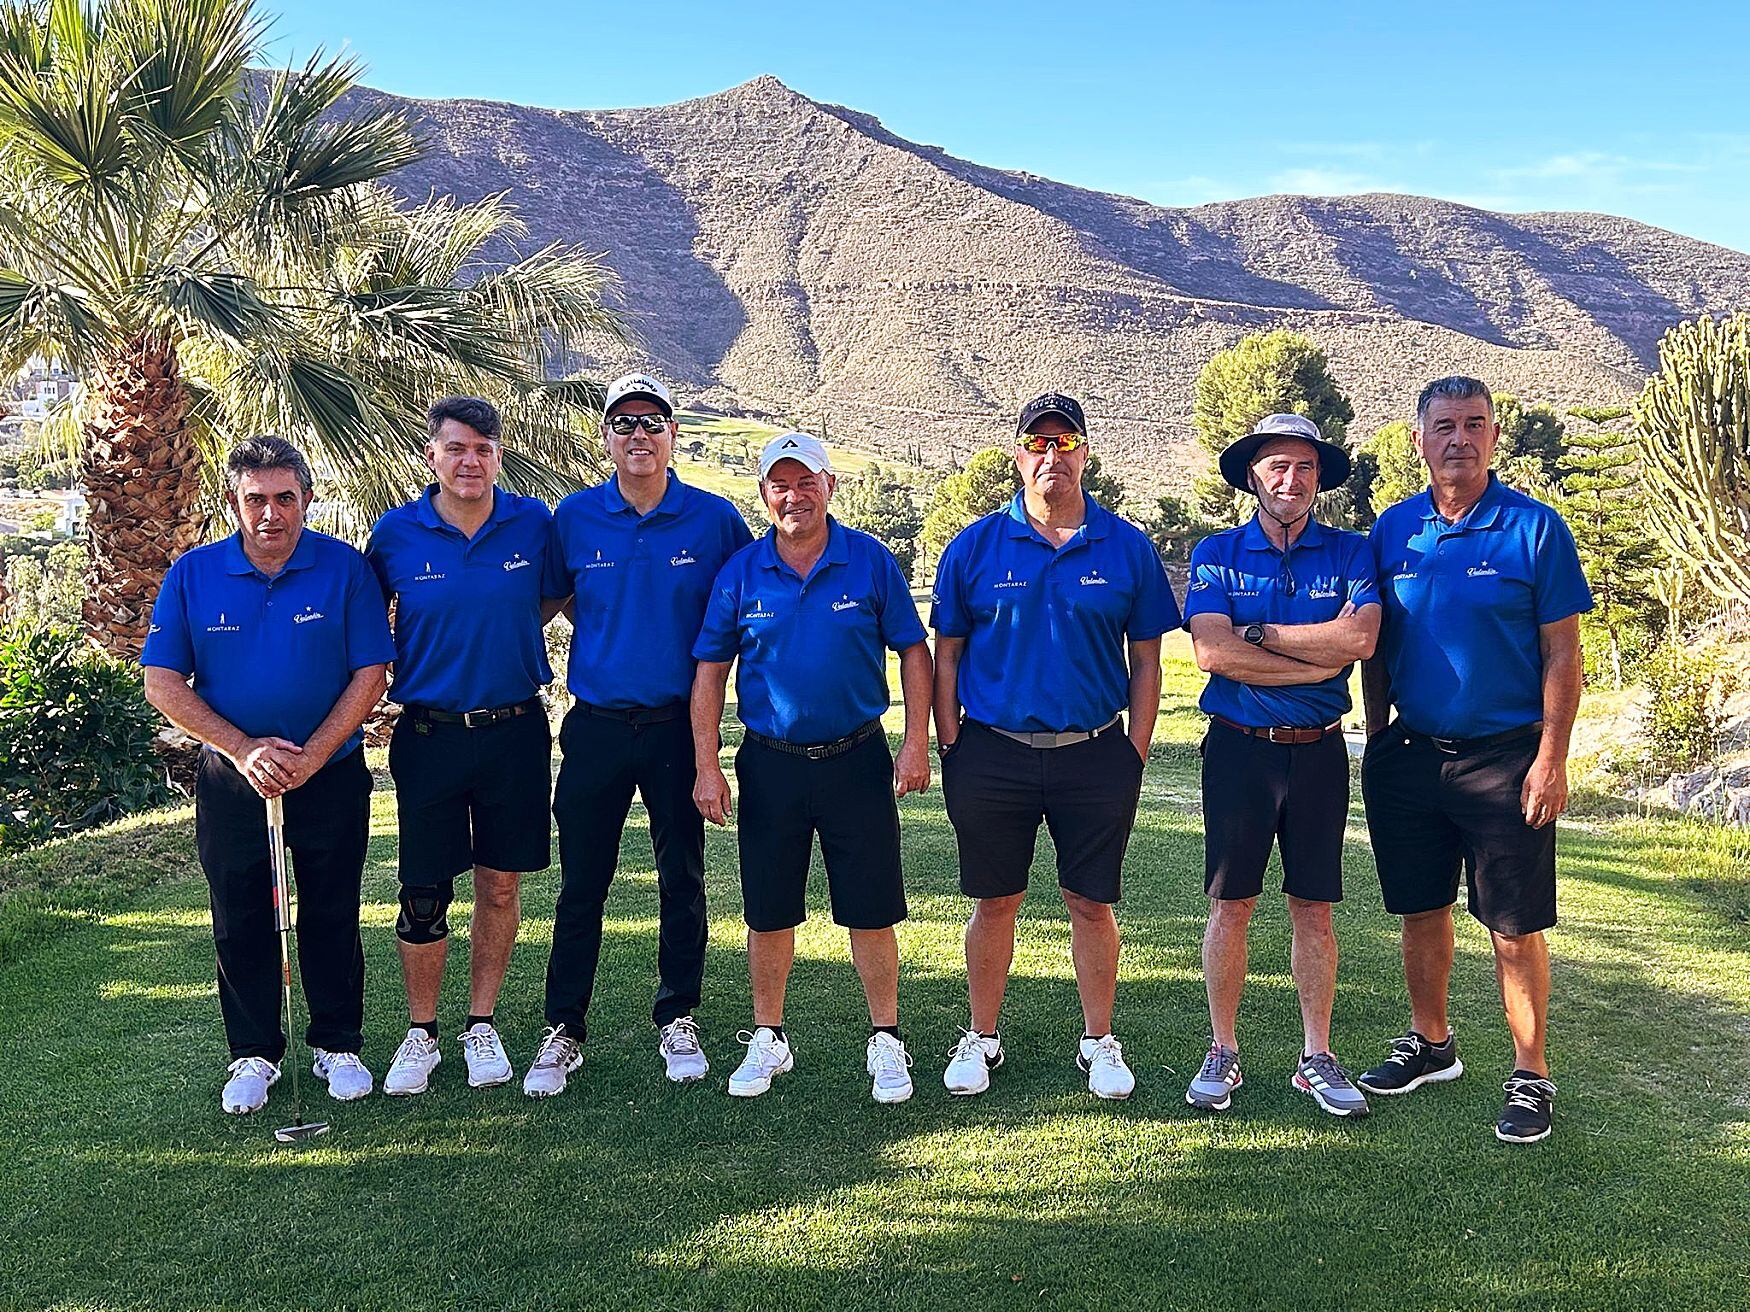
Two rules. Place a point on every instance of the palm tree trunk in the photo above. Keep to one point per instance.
(141, 472)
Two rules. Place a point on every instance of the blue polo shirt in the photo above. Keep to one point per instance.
(468, 610)
(271, 655)
(813, 652)
(641, 583)
(1240, 575)
(1046, 627)
(1463, 603)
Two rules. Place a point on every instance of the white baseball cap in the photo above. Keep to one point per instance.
(651, 389)
(800, 447)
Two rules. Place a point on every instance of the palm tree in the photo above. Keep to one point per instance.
(213, 249)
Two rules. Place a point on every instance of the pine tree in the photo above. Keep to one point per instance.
(1617, 552)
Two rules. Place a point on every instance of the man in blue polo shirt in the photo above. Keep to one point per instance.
(1278, 609)
(283, 632)
(1480, 652)
(810, 611)
(470, 752)
(1048, 616)
(637, 554)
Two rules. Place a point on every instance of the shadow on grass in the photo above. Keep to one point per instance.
(126, 1187)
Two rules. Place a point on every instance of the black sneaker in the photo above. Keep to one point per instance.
(1525, 1118)
(1414, 1062)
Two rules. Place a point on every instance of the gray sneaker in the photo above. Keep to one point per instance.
(1330, 1085)
(1213, 1088)
(559, 1055)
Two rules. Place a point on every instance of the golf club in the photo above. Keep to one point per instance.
(298, 1130)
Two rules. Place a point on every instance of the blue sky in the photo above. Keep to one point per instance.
(1634, 109)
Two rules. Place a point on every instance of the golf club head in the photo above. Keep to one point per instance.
(298, 1133)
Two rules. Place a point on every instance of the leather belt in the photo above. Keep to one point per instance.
(478, 719)
(1280, 733)
(635, 714)
(1459, 746)
(1047, 741)
(818, 751)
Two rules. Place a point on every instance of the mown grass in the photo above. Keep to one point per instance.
(125, 1187)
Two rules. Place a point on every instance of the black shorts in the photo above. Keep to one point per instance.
(785, 801)
(469, 797)
(998, 790)
(1432, 812)
(1256, 793)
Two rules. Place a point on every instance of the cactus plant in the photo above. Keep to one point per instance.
(1693, 423)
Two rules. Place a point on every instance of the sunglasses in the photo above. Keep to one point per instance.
(626, 425)
(1038, 444)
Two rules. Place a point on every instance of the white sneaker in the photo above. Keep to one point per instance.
(347, 1076)
(767, 1056)
(972, 1060)
(558, 1057)
(890, 1064)
(415, 1060)
(246, 1090)
(1103, 1060)
(488, 1064)
(681, 1054)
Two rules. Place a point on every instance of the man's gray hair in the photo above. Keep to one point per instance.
(259, 454)
(1458, 388)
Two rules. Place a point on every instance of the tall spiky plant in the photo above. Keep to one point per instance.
(1693, 423)
(214, 252)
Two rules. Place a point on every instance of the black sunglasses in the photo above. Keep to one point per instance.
(626, 425)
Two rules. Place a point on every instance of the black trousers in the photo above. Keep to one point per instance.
(327, 829)
(603, 760)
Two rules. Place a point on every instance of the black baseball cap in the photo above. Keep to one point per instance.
(1066, 408)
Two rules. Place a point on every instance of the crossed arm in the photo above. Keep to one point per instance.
(271, 765)
(1292, 654)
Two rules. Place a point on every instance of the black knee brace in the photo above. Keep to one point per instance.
(422, 913)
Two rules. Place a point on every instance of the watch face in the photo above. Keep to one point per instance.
(1254, 633)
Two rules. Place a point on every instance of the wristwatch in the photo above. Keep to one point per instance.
(1254, 634)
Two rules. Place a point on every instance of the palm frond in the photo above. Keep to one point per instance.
(187, 59)
(43, 318)
(559, 290)
(227, 304)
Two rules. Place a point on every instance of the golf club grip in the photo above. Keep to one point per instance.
(276, 854)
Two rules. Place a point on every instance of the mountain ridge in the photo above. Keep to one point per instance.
(783, 256)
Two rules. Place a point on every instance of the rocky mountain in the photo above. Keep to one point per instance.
(785, 257)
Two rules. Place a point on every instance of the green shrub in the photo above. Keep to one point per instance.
(1687, 688)
(75, 738)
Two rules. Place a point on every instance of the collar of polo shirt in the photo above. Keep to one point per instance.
(1481, 515)
(1253, 537)
(615, 500)
(1095, 521)
(425, 509)
(237, 560)
(838, 550)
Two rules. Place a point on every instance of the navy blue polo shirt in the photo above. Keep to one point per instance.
(1463, 603)
(271, 655)
(468, 610)
(813, 652)
(1046, 627)
(641, 583)
(1240, 575)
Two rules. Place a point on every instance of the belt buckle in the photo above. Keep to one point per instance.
(1448, 745)
(1272, 735)
(469, 722)
(815, 753)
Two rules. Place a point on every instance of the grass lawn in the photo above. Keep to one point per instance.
(125, 1187)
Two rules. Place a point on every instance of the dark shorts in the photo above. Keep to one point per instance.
(1432, 813)
(998, 790)
(784, 801)
(469, 797)
(1256, 793)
